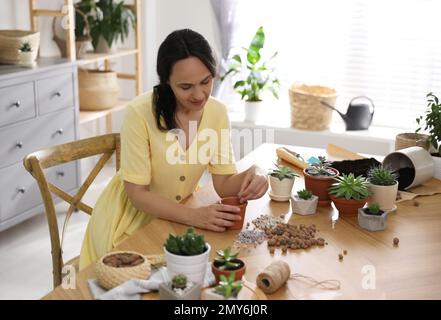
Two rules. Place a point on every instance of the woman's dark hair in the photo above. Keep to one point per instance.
(178, 45)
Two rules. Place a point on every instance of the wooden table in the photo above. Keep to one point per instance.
(372, 269)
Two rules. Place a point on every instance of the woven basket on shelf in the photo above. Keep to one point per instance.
(98, 90)
(307, 112)
(409, 139)
(12, 40)
(110, 277)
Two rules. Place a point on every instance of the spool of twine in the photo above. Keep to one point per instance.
(278, 273)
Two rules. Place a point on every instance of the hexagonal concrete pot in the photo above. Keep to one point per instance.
(167, 293)
(372, 222)
(304, 207)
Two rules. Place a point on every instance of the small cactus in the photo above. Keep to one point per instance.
(190, 244)
(304, 194)
(179, 281)
(25, 47)
(374, 208)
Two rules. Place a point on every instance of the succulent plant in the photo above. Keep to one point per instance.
(179, 281)
(321, 168)
(190, 244)
(25, 47)
(304, 194)
(228, 287)
(382, 176)
(282, 172)
(374, 208)
(350, 187)
(225, 260)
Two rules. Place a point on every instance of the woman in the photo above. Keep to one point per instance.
(159, 168)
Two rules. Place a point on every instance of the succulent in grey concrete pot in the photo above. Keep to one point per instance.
(179, 289)
(304, 203)
(372, 218)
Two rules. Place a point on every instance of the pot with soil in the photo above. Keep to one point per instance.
(179, 289)
(235, 201)
(318, 178)
(349, 194)
(384, 187)
(281, 180)
(357, 167)
(372, 218)
(304, 203)
(227, 263)
(414, 166)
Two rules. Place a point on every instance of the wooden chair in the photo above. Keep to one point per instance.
(37, 161)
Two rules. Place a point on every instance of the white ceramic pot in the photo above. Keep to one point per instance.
(385, 196)
(194, 267)
(253, 109)
(437, 161)
(371, 222)
(304, 207)
(415, 158)
(282, 187)
(26, 59)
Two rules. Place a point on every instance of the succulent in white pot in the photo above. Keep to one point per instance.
(281, 180)
(26, 55)
(304, 202)
(227, 289)
(188, 255)
(372, 218)
(179, 288)
(383, 184)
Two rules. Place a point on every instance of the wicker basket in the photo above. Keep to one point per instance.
(307, 112)
(110, 277)
(98, 89)
(406, 140)
(12, 40)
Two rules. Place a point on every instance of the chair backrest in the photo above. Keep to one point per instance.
(36, 162)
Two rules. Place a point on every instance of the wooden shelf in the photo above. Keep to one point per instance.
(91, 57)
(86, 116)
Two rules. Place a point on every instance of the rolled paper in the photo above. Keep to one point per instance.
(273, 276)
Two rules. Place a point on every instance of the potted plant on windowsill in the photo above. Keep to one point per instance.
(188, 255)
(179, 289)
(227, 263)
(318, 178)
(257, 76)
(227, 289)
(432, 124)
(281, 181)
(304, 203)
(349, 194)
(372, 218)
(383, 184)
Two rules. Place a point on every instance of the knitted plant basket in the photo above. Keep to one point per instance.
(11, 42)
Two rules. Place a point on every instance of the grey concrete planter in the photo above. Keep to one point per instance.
(304, 207)
(372, 222)
(167, 293)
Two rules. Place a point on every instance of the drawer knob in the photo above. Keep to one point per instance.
(60, 173)
(60, 131)
(21, 190)
(16, 104)
(58, 94)
(19, 145)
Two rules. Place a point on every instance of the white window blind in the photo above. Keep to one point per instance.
(388, 50)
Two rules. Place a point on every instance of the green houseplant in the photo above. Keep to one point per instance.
(304, 202)
(383, 184)
(179, 288)
(254, 75)
(227, 289)
(372, 218)
(227, 263)
(281, 180)
(26, 55)
(319, 177)
(349, 193)
(187, 254)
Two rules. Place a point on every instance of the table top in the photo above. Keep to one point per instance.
(372, 269)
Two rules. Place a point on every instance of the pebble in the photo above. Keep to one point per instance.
(396, 241)
(251, 237)
(345, 252)
(265, 221)
(340, 257)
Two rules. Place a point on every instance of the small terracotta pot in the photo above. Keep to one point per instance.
(238, 273)
(348, 208)
(319, 186)
(235, 201)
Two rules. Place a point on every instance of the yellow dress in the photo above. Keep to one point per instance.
(155, 158)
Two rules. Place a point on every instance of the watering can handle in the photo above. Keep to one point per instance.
(371, 102)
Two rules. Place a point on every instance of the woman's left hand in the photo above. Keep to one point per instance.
(254, 184)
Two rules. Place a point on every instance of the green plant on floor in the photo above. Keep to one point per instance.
(432, 122)
(321, 168)
(382, 176)
(304, 194)
(374, 208)
(282, 172)
(228, 287)
(25, 47)
(189, 244)
(226, 258)
(350, 187)
(179, 281)
(257, 75)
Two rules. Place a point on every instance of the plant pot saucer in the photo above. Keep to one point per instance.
(394, 208)
(276, 197)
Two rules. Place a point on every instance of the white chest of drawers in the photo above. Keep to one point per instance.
(38, 109)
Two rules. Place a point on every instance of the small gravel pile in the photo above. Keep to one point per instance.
(266, 221)
(251, 237)
(290, 236)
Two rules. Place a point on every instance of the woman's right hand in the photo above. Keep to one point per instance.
(215, 217)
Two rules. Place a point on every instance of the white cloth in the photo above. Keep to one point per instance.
(134, 288)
